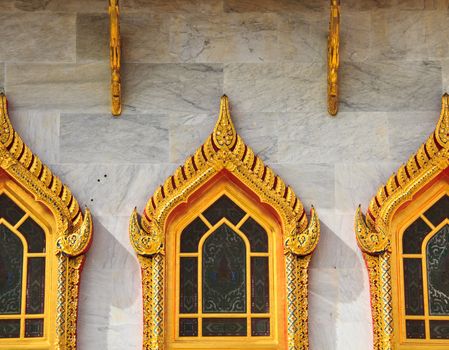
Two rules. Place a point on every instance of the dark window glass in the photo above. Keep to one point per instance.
(9, 328)
(260, 327)
(11, 265)
(224, 208)
(415, 329)
(188, 327)
(256, 235)
(224, 327)
(414, 236)
(413, 287)
(35, 286)
(34, 328)
(439, 329)
(188, 286)
(438, 272)
(9, 210)
(34, 235)
(260, 294)
(439, 211)
(224, 272)
(191, 236)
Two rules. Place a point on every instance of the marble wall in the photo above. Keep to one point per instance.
(269, 57)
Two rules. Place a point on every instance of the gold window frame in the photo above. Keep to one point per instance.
(43, 196)
(224, 152)
(415, 186)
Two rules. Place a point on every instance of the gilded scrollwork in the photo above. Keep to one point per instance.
(225, 150)
(115, 57)
(73, 228)
(373, 231)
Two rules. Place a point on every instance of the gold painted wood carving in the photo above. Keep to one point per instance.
(223, 164)
(115, 55)
(333, 58)
(379, 236)
(30, 184)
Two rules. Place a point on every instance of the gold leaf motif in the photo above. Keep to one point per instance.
(145, 243)
(370, 241)
(76, 243)
(304, 242)
(224, 134)
(333, 58)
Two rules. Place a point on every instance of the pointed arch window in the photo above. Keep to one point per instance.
(224, 246)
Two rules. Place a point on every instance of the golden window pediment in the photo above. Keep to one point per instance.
(42, 223)
(403, 240)
(221, 224)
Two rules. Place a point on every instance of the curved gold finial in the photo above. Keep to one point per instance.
(76, 243)
(370, 241)
(115, 53)
(6, 130)
(144, 243)
(304, 242)
(224, 135)
(442, 130)
(333, 58)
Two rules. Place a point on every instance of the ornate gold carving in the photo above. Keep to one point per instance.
(373, 231)
(333, 58)
(225, 150)
(73, 229)
(115, 53)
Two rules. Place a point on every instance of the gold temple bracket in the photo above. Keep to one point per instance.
(115, 52)
(333, 58)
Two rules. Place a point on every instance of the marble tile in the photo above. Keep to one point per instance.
(354, 335)
(445, 72)
(276, 87)
(316, 138)
(2, 76)
(244, 6)
(313, 183)
(53, 5)
(66, 87)
(39, 130)
(113, 189)
(145, 38)
(355, 41)
(37, 37)
(390, 86)
(302, 37)
(175, 6)
(357, 183)
(168, 88)
(407, 131)
(86, 138)
(226, 38)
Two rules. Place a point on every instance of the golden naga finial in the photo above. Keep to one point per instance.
(304, 242)
(224, 135)
(115, 52)
(333, 58)
(144, 242)
(6, 130)
(77, 242)
(442, 130)
(370, 241)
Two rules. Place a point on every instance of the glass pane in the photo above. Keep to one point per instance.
(34, 328)
(439, 329)
(414, 236)
(34, 235)
(439, 211)
(260, 327)
(413, 287)
(415, 329)
(438, 272)
(191, 236)
(188, 327)
(224, 327)
(11, 265)
(224, 208)
(260, 294)
(256, 235)
(224, 272)
(188, 303)
(9, 328)
(35, 286)
(10, 210)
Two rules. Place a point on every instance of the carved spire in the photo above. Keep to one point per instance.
(224, 135)
(442, 130)
(6, 131)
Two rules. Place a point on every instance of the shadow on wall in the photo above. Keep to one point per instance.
(335, 278)
(110, 311)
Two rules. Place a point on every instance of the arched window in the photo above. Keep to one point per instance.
(405, 242)
(224, 246)
(44, 236)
